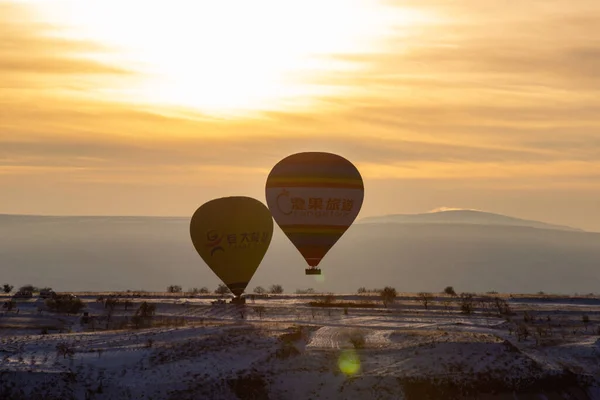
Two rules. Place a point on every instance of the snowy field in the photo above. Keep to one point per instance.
(283, 348)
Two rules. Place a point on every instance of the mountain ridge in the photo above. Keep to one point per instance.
(463, 216)
(449, 216)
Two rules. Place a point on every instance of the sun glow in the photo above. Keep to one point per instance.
(231, 56)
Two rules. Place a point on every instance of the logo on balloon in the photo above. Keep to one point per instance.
(235, 240)
(286, 195)
(214, 240)
(313, 206)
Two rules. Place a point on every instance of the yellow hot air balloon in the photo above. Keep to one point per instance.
(314, 197)
(232, 235)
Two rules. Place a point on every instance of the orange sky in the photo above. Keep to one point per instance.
(152, 108)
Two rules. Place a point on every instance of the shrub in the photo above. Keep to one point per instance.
(28, 288)
(449, 290)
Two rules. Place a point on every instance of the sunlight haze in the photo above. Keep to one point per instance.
(152, 108)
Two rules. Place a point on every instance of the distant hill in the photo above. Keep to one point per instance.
(461, 217)
(472, 251)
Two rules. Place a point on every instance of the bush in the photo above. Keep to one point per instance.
(28, 288)
(449, 290)
(7, 288)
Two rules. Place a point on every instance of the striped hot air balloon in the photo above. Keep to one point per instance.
(314, 197)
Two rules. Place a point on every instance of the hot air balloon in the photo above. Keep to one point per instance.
(314, 197)
(232, 235)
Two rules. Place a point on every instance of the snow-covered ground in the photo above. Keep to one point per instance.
(281, 348)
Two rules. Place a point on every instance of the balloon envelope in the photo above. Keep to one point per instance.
(232, 235)
(314, 197)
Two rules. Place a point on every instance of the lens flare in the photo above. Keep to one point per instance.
(349, 362)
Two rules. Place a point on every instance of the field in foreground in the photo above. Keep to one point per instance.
(282, 348)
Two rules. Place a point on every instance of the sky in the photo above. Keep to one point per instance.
(152, 108)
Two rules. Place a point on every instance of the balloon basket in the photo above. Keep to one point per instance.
(238, 300)
(313, 271)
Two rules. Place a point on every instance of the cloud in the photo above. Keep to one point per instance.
(482, 102)
(33, 55)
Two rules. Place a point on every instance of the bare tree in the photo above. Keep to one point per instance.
(65, 349)
(127, 304)
(447, 304)
(7, 288)
(425, 298)
(222, 289)
(259, 290)
(174, 289)
(260, 310)
(276, 289)
(466, 303)
(144, 314)
(522, 332)
(109, 305)
(502, 306)
(388, 295)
